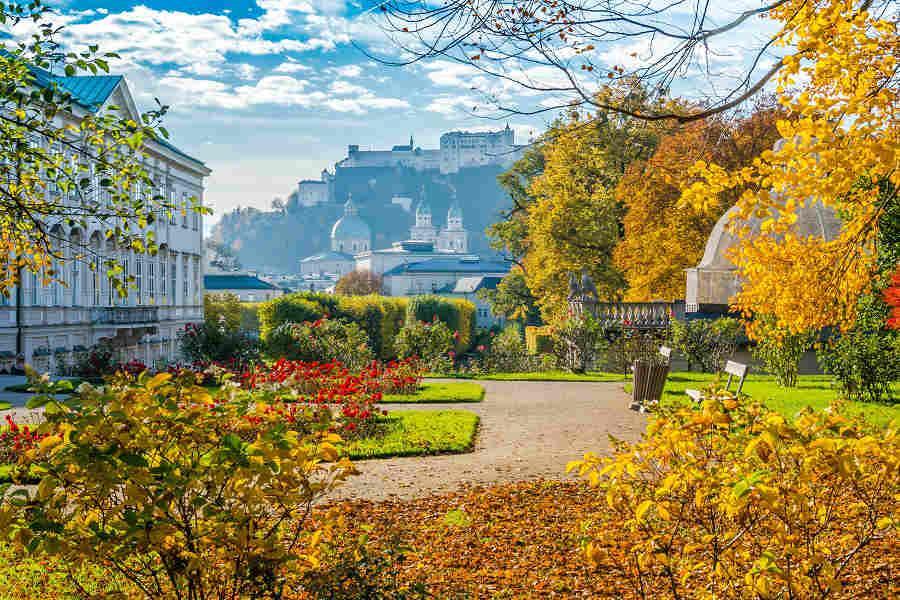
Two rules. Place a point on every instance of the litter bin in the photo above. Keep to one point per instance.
(649, 381)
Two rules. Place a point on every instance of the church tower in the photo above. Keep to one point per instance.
(454, 237)
(423, 230)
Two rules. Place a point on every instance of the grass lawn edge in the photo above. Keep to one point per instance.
(409, 441)
(435, 392)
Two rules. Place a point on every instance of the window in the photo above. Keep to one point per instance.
(76, 281)
(151, 277)
(186, 282)
(197, 284)
(139, 277)
(162, 273)
(170, 197)
(173, 276)
(184, 210)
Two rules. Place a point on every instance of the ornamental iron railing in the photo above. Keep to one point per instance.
(125, 315)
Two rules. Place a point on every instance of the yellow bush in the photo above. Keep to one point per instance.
(731, 500)
(184, 495)
(538, 340)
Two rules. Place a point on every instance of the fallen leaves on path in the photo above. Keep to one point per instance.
(522, 541)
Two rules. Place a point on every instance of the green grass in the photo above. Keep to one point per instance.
(437, 392)
(5, 405)
(539, 376)
(418, 433)
(815, 391)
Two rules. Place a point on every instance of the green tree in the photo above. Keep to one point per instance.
(512, 299)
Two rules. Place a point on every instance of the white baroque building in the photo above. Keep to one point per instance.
(51, 326)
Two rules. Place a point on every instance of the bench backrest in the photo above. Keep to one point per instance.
(736, 369)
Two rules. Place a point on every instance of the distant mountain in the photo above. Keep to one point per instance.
(276, 240)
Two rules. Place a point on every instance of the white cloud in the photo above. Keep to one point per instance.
(452, 105)
(276, 90)
(291, 66)
(348, 71)
(346, 88)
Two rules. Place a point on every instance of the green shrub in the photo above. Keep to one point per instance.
(208, 342)
(467, 316)
(865, 363)
(580, 341)
(381, 317)
(291, 308)
(506, 353)
(221, 309)
(780, 351)
(458, 315)
(250, 316)
(706, 343)
(430, 342)
(629, 345)
(322, 341)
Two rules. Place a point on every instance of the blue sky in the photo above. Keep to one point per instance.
(269, 92)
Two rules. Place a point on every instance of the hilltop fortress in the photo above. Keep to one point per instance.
(458, 150)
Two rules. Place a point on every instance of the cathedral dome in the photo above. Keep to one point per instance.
(350, 232)
(455, 211)
(350, 227)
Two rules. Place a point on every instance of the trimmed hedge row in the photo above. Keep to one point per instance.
(381, 317)
(538, 340)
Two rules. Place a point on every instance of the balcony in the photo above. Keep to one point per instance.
(124, 315)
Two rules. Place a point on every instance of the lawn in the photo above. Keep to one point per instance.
(815, 391)
(435, 392)
(5, 405)
(540, 376)
(418, 432)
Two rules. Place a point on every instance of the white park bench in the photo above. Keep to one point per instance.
(734, 369)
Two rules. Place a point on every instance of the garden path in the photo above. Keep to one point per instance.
(528, 430)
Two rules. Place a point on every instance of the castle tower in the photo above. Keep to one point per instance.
(423, 230)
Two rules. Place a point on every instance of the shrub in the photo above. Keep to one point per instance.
(506, 353)
(732, 500)
(250, 317)
(97, 362)
(538, 340)
(321, 341)
(291, 308)
(865, 363)
(203, 498)
(458, 315)
(429, 342)
(222, 309)
(580, 340)
(16, 440)
(210, 342)
(706, 343)
(780, 351)
(629, 345)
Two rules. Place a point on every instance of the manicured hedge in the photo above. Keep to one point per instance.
(291, 308)
(458, 314)
(250, 316)
(381, 317)
(538, 340)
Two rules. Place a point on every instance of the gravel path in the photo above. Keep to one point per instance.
(528, 430)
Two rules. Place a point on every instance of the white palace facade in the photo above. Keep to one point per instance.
(52, 326)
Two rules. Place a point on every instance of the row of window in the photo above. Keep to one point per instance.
(156, 282)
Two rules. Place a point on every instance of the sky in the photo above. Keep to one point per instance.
(268, 92)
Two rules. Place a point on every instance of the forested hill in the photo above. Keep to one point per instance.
(277, 239)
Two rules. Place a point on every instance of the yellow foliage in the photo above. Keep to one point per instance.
(732, 499)
(838, 84)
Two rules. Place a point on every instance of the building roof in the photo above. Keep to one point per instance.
(91, 92)
(236, 281)
(470, 285)
(328, 255)
(451, 264)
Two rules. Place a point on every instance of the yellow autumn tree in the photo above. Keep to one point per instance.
(839, 83)
(663, 237)
(574, 220)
